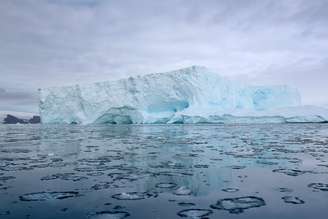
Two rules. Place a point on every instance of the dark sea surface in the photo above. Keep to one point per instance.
(266, 171)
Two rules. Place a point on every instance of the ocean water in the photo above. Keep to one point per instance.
(164, 171)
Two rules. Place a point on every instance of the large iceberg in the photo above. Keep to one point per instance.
(189, 95)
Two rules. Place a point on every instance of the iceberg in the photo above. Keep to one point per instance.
(190, 95)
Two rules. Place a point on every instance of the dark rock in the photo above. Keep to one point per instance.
(35, 120)
(13, 120)
(10, 119)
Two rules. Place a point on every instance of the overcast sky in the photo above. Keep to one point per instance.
(59, 42)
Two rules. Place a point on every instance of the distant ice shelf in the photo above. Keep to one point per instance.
(189, 95)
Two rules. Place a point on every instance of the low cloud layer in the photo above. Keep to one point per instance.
(24, 101)
(56, 42)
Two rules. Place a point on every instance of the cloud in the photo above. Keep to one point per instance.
(18, 101)
(56, 42)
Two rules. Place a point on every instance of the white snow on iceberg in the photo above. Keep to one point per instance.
(189, 95)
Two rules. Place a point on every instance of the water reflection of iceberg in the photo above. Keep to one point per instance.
(200, 158)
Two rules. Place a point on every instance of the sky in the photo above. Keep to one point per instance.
(47, 43)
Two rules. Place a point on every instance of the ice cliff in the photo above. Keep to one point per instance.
(189, 95)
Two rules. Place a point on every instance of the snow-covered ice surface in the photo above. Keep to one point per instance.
(189, 95)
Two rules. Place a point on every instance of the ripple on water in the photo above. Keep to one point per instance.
(319, 186)
(185, 204)
(44, 196)
(5, 178)
(195, 213)
(230, 190)
(238, 205)
(292, 200)
(166, 185)
(284, 190)
(2, 213)
(290, 172)
(3, 187)
(101, 185)
(237, 167)
(64, 176)
(201, 166)
(95, 174)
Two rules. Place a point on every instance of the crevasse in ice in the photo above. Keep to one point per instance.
(189, 95)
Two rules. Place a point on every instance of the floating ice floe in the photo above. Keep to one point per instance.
(134, 195)
(195, 213)
(44, 196)
(238, 205)
(182, 191)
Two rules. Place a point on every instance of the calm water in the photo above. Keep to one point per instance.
(164, 171)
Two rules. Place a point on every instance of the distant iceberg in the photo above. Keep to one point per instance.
(189, 95)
